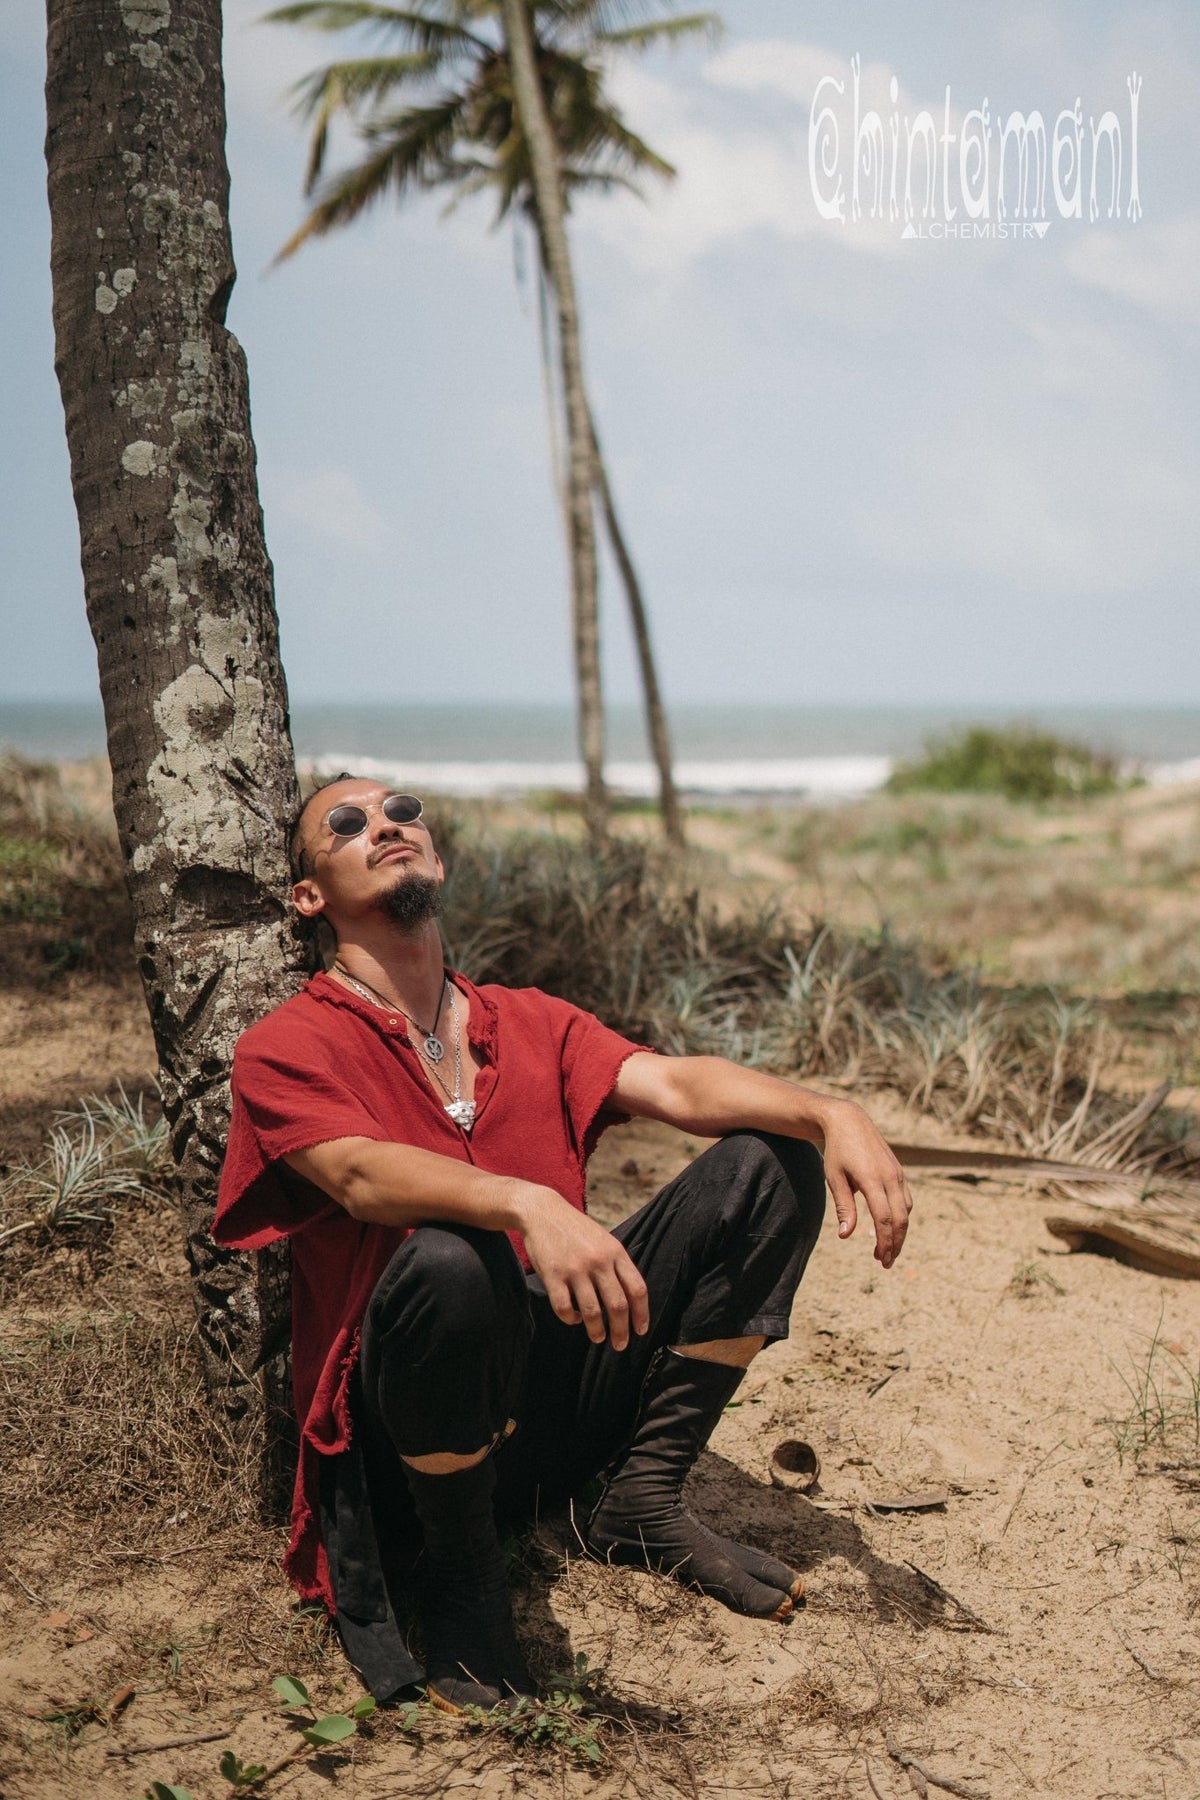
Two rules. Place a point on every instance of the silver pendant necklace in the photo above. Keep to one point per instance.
(460, 1110)
(432, 1044)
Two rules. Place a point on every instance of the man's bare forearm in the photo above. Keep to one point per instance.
(398, 1184)
(588, 1275)
(710, 1096)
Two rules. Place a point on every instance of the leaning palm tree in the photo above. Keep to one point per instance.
(507, 96)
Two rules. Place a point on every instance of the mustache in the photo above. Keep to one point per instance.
(377, 856)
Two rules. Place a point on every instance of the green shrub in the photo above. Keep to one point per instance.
(30, 878)
(1020, 763)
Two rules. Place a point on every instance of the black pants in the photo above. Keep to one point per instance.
(458, 1340)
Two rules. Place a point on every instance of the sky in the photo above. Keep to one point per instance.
(855, 466)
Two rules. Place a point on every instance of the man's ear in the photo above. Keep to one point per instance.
(308, 899)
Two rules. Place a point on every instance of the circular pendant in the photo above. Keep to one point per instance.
(434, 1048)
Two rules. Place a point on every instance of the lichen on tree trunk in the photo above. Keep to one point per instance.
(180, 599)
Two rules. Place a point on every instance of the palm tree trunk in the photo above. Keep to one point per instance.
(581, 526)
(656, 718)
(180, 599)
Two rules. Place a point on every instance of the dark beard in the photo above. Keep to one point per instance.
(413, 901)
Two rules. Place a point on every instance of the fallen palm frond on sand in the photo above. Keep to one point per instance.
(1122, 1207)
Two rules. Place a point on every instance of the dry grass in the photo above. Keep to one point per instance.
(105, 1418)
(1099, 895)
(63, 903)
(632, 936)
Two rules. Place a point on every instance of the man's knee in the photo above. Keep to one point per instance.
(782, 1179)
(445, 1341)
(453, 1281)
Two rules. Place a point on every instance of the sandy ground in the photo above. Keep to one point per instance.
(58, 1043)
(1033, 1635)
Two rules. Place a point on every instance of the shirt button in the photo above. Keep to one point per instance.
(393, 1021)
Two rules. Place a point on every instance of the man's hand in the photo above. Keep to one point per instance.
(588, 1275)
(711, 1097)
(858, 1159)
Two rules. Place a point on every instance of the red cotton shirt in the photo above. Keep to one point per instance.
(327, 1065)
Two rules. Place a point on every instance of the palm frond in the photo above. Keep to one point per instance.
(421, 30)
(603, 181)
(598, 17)
(413, 149)
(472, 138)
(365, 78)
(326, 105)
(477, 176)
(612, 138)
(644, 37)
(589, 129)
(347, 87)
(351, 194)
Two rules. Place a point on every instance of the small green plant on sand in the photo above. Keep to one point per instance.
(1016, 761)
(321, 1733)
(1164, 1403)
(1032, 1278)
(167, 1790)
(239, 1774)
(102, 1151)
(328, 1729)
(566, 1718)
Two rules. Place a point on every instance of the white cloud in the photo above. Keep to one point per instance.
(744, 160)
(1094, 63)
(1063, 466)
(1155, 266)
(793, 71)
(329, 504)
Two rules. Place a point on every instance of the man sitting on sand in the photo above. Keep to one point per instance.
(463, 1333)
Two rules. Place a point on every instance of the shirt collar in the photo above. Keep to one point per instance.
(481, 1024)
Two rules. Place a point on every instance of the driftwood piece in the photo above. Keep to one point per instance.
(927, 1501)
(176, 1743)
(950, 1784)
(1150, 1222)
(1150, 1242)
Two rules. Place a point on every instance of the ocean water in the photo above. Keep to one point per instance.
(721, 751)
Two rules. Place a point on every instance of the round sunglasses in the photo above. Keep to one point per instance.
(348, 821)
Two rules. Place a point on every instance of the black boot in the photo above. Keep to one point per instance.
(471, 1653)
(641, 1518)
